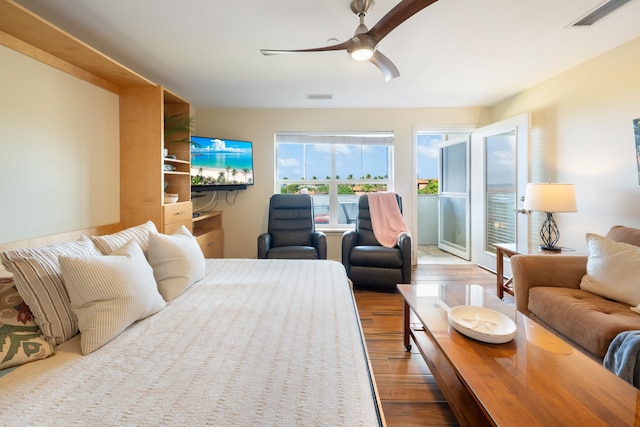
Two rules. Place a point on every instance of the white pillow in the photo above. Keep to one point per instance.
(108, 293)
(177, 261)
(613, 270)
(140, 233)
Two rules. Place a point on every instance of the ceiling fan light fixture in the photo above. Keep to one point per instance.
(363, 45)
(362, 53)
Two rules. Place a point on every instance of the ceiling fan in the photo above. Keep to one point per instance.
(362, 46)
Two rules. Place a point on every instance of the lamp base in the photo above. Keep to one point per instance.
(550, 248)
(549, 234)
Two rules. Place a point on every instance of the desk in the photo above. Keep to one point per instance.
(510, 249)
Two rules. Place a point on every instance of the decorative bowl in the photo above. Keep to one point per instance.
(170, 198)
(482, 324)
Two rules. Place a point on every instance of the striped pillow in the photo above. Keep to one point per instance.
(140, 233)
(109, 293)
(36, 273)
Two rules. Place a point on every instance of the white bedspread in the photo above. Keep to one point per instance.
(255, 343)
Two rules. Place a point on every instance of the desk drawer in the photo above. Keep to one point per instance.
(175, 215)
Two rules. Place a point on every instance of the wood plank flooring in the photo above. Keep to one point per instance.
(408, 391)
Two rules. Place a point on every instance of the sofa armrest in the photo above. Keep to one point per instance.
(349, 241)
(405, 245)
(264, 244)
(563, 271)
(319, 240)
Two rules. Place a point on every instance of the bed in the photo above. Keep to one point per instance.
(253, 342)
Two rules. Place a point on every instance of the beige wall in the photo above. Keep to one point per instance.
(582, 133)
(246, 218)
(59, 139)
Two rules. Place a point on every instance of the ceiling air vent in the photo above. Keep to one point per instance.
(319, 96)
(599, 12)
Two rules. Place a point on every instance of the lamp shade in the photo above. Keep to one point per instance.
(550, 198)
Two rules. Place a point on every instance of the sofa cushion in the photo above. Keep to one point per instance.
(587, 319)
(613, 269)
(293, 252)
(376, 256)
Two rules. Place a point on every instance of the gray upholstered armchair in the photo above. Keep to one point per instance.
(368, 263)
(291, 231)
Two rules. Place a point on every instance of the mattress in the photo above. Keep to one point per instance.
(256, 342)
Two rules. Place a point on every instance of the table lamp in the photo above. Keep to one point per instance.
(550, 198)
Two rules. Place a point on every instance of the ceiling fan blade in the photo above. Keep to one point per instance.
(340, 46)
(385, 65)
(396, 16)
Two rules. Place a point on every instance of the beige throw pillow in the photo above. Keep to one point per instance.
(177, 261)
(613, 270)
(109, 293)
(140, 233)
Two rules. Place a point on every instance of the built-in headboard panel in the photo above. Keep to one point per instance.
(56, 238)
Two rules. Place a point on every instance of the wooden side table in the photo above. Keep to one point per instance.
(510, 249)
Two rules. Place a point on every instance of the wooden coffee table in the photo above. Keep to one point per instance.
(535, 380)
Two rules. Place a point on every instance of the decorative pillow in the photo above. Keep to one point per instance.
(140, 233)
(21, 340)
(38, 280)
(108, 293)
(177, 261)
(613, 270)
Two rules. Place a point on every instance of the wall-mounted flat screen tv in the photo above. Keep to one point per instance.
(220, 164)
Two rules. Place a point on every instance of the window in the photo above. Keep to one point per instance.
(428, 143)
(334, 168)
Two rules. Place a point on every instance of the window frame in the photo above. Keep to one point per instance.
(335, 139)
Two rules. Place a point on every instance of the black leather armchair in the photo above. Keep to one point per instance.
(369, 264)
(291, 231)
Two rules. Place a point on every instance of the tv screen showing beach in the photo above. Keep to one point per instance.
(216, 161)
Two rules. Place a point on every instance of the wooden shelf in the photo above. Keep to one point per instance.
(168, 160)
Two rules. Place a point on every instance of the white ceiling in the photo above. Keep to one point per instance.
(453, 53)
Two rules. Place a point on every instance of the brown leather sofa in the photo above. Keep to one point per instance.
(547, 289)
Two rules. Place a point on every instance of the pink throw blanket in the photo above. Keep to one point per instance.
(386, 219)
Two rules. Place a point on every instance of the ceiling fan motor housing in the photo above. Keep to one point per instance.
(361, 7)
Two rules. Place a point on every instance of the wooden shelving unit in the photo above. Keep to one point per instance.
(143, 107)
(179, 181)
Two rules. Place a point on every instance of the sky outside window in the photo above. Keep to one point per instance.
(297, 161)
(427, 150)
